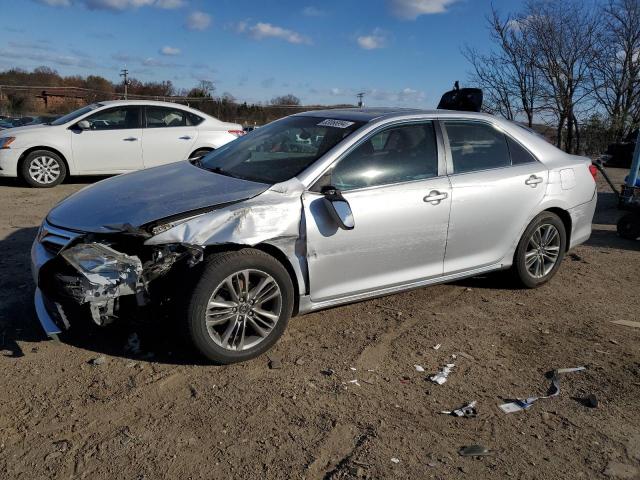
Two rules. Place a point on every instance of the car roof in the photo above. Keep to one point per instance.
(371, 114)
(115, 103)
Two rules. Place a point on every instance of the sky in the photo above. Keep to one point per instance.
(399, 52)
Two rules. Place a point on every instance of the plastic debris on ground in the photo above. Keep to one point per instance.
(419, 368)
(437, 347)
(395, 460)
(474, 451)
(133, 344)
(467, 411)
(442, 375)
(554, 390)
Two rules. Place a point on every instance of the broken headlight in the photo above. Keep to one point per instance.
(101, 264)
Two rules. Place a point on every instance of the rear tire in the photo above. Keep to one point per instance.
(629, 226)
(540, 250)
(228, 319)
(43, 169)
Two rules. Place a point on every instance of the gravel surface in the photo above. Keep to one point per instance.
(87, 407)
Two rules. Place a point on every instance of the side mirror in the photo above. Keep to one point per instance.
(83, 125)
(338, 207)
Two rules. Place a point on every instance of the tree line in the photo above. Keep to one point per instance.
(77, 90)
(570, 64)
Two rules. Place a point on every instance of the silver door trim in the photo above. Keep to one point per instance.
(307, 305)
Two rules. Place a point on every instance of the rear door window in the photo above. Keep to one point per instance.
(163, 117)
(476, 146)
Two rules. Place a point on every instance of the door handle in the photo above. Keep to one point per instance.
(533, 181)
(130, 139)
(435, 197)
(185, 137)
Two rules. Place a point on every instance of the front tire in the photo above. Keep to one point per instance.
(43, 169)
(540, 250)
(240, 306)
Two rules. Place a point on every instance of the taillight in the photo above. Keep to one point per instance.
(594, 171)
(237, 133)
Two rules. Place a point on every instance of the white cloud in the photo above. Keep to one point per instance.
(56, 3)
(47, 58)
(261, 30)
(198, 21)
(412, 9)
(377, 39)
(167, 50)
(313, 12)
(115, 5)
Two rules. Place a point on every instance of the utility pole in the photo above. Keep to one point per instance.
(360, 99)
(125, 74)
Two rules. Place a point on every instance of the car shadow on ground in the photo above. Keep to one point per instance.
(160, 340)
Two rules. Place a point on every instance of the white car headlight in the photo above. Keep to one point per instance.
(102, 264)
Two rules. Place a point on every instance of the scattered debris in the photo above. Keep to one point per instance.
(613, 341)
(355, 382)
(437, 347)
(328, 372)
(275, 363)
(554, 390)
(395, 460)
(474, 451)
(467, 411)
(100, 360)
(419, 368)
(353, 369)
(520, 304)
(300, 361)
(133, 344)
(442, 375)
(626, 323)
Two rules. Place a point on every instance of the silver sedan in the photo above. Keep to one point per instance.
(311, 211)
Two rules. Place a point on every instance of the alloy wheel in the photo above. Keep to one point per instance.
(243, 309)
(44, 169)
(543, 250)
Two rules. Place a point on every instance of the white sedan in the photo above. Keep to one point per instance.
(110, 137)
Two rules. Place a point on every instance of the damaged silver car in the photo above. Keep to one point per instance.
(311, 211)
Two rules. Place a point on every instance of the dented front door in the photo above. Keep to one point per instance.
(399, 237)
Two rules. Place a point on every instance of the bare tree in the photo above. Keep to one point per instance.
(508, 75)
(564, 36)
(616, 70)
(288, 99)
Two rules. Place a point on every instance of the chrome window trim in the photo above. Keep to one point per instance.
(379, 127)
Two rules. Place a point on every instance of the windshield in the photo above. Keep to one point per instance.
(75, 114)
(279, 151)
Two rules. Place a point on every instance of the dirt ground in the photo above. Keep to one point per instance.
(164, 414)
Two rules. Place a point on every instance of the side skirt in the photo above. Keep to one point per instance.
(307, 305)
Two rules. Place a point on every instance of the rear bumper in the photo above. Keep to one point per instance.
(581, 219)
(9, 161)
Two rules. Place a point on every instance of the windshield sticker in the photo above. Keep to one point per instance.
(335, 123)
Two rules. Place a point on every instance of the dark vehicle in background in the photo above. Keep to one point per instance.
(620, 154)
(9, 122)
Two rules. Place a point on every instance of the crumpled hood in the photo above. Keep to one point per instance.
(145, 196)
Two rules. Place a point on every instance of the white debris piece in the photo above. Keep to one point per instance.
(442, 375)
(353, 368)
(419, 368)
(437, 347)
(355, 382)
(395, 460)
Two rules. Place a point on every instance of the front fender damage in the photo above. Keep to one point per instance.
(273, 217)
